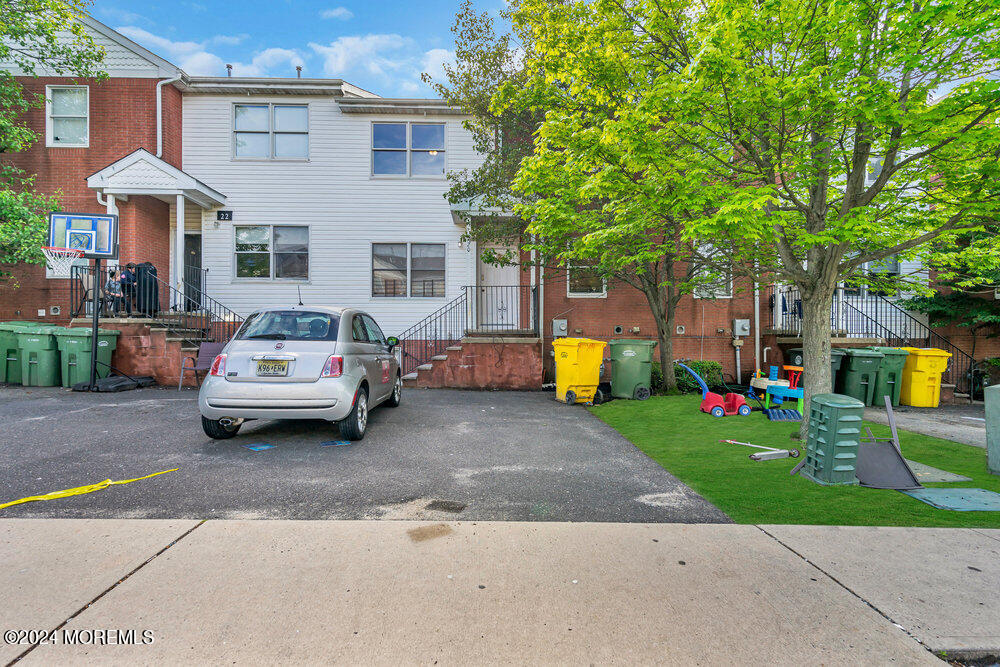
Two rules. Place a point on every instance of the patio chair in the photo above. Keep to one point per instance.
(206, 355)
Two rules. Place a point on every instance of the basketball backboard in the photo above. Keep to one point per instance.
(95, 234)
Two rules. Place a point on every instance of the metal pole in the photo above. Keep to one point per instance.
(96, 296)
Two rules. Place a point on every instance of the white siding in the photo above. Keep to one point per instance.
(334, 195)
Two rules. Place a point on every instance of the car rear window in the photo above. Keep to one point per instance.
(289, 325)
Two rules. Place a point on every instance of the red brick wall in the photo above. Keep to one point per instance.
(707, 322)
(122, 120)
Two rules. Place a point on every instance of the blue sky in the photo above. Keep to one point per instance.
(380, 45)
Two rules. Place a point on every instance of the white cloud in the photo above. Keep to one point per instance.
(196, 59)
(339, 13)
(122, 15)
(434, 61)
(375, 54)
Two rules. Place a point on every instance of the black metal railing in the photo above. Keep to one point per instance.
(188, 313)
(478, 310)
(195, 286)
(856, 314)
(914, 333)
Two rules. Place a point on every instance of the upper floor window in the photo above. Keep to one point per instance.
(275, 252)
(67, 116)
(713, 284)
(408, 149)
(271, 131)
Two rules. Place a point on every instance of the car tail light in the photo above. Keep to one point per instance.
(218, 366)
(334, 367)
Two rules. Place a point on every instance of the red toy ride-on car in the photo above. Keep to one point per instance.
(717, 405)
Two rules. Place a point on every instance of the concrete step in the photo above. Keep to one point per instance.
(425, 367)
(454, 347)
(440, 357)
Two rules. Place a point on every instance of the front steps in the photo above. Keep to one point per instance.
(497, 362)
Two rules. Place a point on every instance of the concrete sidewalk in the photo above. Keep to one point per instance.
(488, 592)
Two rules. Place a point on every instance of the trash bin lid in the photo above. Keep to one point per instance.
(837, 352)
(837, 401)
(928, 352)
(86, 332)
(891, 351)
(861, 352)
(631, 341)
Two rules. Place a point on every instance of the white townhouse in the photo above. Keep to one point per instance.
(330, 191)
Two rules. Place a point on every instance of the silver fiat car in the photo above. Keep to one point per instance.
(302, 362)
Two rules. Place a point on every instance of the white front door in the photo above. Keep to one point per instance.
(498, 295)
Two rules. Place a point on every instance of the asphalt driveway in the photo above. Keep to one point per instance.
(441, 455)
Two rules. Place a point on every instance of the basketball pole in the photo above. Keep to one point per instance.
(97, 314)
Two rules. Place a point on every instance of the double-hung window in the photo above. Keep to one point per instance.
(277, 252)
(408, 269)
(408, 149)
(271, 131)
(713, 284)
(67, 117)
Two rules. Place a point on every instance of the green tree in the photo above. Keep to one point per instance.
(607, 185)
(847, 132)
(36, 37)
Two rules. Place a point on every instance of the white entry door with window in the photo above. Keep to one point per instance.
(498, 294)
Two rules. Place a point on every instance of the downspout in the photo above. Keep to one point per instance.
(159, 113)
(756, 324)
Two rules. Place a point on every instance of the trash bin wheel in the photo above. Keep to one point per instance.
(641, 393)
(717, 411)
(599, 396)
(570, 397)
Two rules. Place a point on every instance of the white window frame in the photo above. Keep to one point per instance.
(49, 137)
(271, 253)
(270, 132)
(584, 295)
(409, 268)
(409, 150)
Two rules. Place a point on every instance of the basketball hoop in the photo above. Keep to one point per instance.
(60, 260)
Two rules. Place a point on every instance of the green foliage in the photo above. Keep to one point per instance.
(675, 434)
(36, 37)
(710, 371)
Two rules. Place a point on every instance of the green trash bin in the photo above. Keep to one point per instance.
(857, 374)
(889, 378)
(632, 367)
(834, 435)
(10, 359)
(836, 361)
(74, 350)
(795, 357)
(39, 356)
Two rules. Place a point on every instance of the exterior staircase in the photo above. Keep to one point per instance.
(486, 338)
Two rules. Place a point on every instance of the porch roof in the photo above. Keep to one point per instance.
(142, 173)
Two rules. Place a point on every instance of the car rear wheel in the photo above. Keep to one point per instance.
(397, 393)
(215, 429)
(353, 426)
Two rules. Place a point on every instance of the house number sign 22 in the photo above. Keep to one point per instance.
(224, 215)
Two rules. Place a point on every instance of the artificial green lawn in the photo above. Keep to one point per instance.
(674, 433)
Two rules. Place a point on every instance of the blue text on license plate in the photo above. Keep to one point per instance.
(272, 368)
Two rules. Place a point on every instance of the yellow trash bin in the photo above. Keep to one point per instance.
(921, 381)
(578, 368)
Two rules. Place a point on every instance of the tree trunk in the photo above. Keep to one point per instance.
(816, 305)
(666, 345)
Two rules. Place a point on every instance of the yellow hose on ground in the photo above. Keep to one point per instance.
(81, 489)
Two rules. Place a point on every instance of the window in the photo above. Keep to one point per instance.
(882, 279)
(271, 131)
(583, 280)
(290, 325)
(374, 333)
(67, 116)
(272, 251)
(408, 149)
(715, 286)
(408, 269)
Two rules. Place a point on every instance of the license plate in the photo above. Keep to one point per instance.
(272, 368)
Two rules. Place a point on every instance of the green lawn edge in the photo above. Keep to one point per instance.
(673, 432)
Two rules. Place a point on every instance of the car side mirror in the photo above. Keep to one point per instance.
(392, 341)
